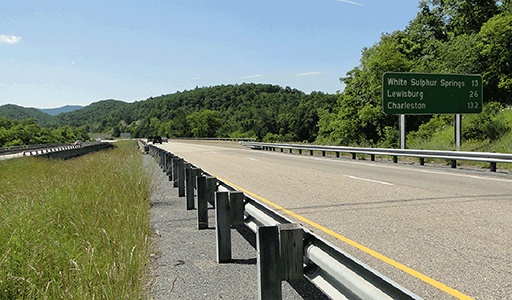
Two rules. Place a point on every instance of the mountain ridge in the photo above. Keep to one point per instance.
(58, 110)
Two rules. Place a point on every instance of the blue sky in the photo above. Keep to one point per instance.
(54, 53)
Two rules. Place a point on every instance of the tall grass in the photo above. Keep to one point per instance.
(75, 229)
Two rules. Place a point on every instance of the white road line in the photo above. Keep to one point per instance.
(370, 180)
(253, 159)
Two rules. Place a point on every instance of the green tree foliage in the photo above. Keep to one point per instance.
(496, 50)
(92, 114)
(485, 126)
(446, 36)
(15, 112)
(27, 132)
(204, 124)
(245, 110)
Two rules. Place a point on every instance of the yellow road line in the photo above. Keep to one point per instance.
(385, 259)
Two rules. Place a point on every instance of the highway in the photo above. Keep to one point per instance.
(441, 233)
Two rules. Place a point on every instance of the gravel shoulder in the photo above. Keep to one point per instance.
(184, 262)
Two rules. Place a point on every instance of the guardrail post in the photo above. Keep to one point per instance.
(222, 227)
(236, 208)
(454, 163)
(493, 167)
(269, 265)
(211, 186)
(323, 153)
(395, 159)
(181, 178)
(292, 251)
(337, 154)
(300, 151)
(311, 152)
(422, 161)
(190, 177)
(175, 164)
(167, 162)
(372, 157)
(291, 151)
(169, 166)
(164, 160)
(202, 203)
(354, 155)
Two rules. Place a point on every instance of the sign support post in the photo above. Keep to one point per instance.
(402, 132)
(458, 131)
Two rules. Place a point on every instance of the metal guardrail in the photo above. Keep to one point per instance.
(24, 148)
(62, 151)
(286, 251)
(453, 156)
(221, 139)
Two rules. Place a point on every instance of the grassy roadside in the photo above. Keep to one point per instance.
(75, 229)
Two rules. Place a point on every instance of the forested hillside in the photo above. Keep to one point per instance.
(264, 111)
(451, 36)
(15, 112)
(89, 115)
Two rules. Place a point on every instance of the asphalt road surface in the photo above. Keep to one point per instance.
(441, 233)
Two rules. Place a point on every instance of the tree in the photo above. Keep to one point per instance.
(204, 124)
(496, 45)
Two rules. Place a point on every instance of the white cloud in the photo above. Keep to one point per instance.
(9, 39)
(308, 73)
(351, 2)
(253, 76)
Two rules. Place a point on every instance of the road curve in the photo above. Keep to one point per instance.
(450, 227)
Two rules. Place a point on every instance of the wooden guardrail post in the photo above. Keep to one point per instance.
(175, 164)
(202, 203)
(222, 227)
(236, 208)
(211, 186)
(190, 178)
(181, 178)
(169, 165)
(292, 251)
(269, 266)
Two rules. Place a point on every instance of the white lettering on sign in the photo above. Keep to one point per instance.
(452, 83)
(423, 82)
(399, 81)
(407, 105)
(405, 94)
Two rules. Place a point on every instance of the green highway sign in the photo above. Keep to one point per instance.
(428, 94)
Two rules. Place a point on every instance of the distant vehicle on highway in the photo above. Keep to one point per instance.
(78, 143)
(155, 139)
